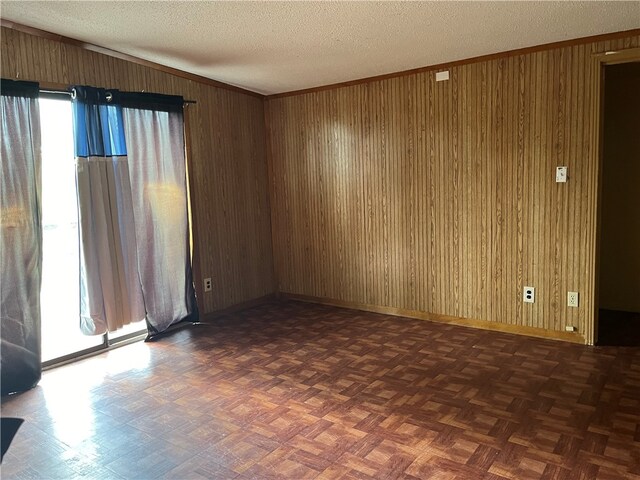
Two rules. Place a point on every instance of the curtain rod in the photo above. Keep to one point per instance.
(55, 92)
(64, 92)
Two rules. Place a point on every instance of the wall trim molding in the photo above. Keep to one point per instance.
(435, 317)
(123, 56)
(466, 61)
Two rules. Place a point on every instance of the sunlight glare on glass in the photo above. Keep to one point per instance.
(59, 294)
(58, 166)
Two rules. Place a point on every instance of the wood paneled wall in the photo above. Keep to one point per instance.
(440, 197)
(227, 147)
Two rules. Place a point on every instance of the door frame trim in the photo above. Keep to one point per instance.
(601, 60)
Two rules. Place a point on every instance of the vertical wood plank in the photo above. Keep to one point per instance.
(459, 208)
(228, 166)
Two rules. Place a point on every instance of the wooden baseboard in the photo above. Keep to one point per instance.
(239, 307)
(573, 337)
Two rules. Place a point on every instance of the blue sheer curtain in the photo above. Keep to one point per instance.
(98, 127)
(110, 290)
(133, 210)
(20, 236)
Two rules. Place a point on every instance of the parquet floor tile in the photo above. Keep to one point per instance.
(301, 391)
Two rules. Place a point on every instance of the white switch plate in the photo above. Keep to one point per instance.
(440, 76)
(572, 299)
(561, 174)
(528, 295)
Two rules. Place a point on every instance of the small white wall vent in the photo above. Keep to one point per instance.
(442, 76)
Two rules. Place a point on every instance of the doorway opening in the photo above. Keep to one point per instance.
(619, 252)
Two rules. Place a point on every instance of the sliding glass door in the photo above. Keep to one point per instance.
(61, 336)
(60, 289)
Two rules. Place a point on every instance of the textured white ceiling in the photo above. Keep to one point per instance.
(273, 47)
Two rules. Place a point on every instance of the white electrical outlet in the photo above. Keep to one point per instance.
(529, 295)
(572, 299)
(561, 174)
(207, 285)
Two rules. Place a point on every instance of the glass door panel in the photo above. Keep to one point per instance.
(60, 300)
(128, 331)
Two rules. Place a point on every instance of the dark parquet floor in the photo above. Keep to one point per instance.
(297, 391)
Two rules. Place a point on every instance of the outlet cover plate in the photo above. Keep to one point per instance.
(207, 285)
(561, 174)
(573, 299)
(528, 294)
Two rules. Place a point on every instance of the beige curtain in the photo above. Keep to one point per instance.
(110, 291)
(155, 145)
